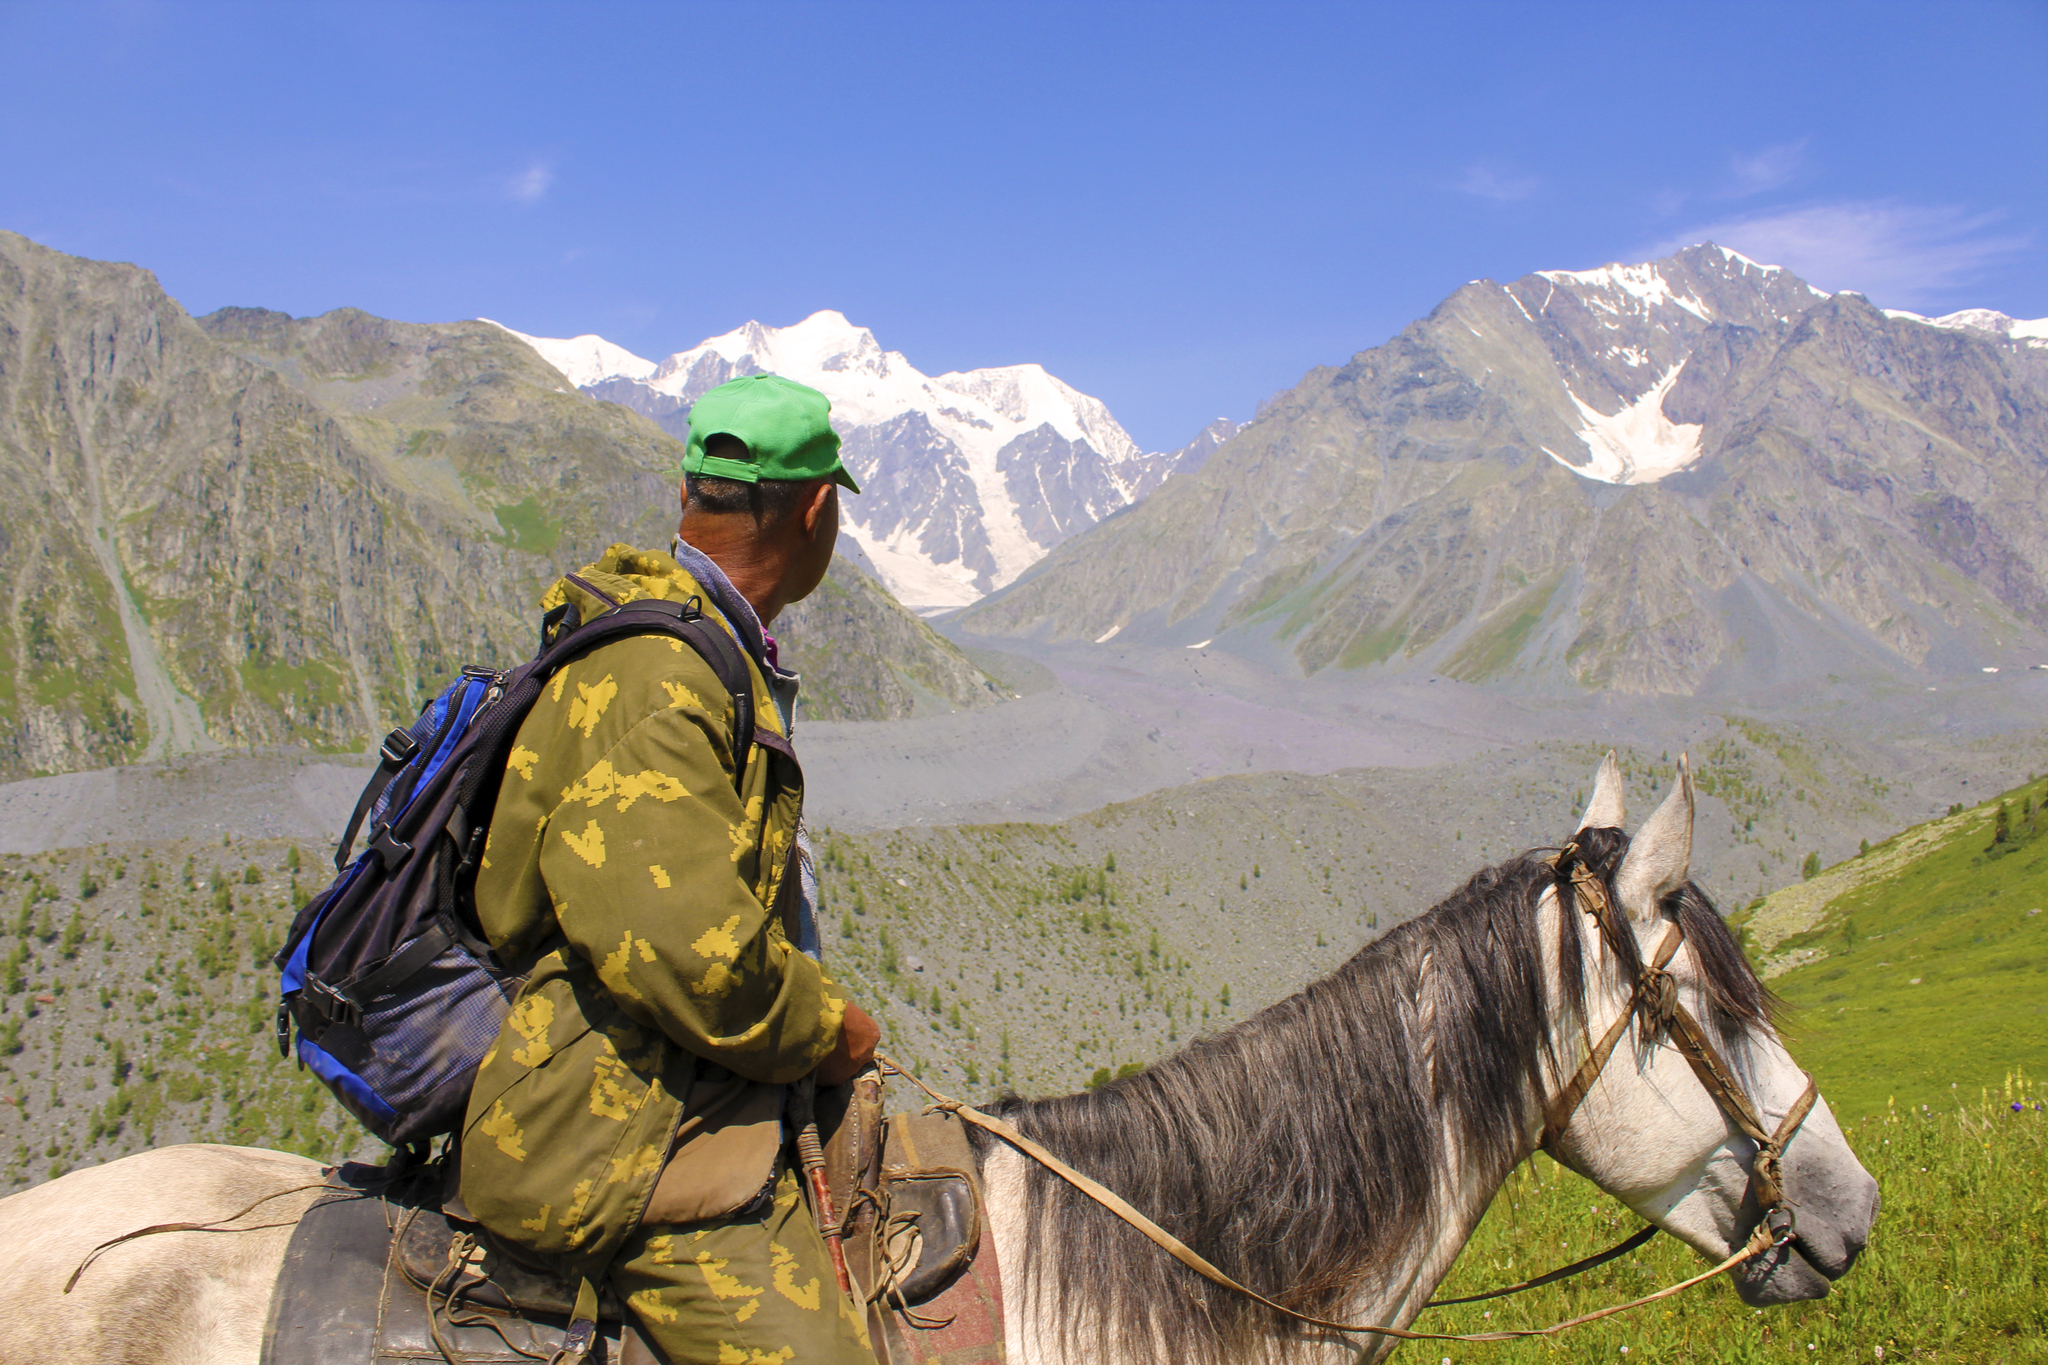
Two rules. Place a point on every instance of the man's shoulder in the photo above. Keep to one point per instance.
(624, 681)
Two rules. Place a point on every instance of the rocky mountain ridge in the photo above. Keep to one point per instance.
(966, 478)
(1695, 475)
(252, 529)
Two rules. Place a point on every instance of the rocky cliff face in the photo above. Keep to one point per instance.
(1691, 475)
(251, 529)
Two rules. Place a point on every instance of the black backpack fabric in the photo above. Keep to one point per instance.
(386, 973)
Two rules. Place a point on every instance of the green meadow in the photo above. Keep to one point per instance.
(1932, 982)
(1954, 1271)
(1920, 1013)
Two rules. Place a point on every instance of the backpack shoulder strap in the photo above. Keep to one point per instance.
(492, 738)
(687, 621)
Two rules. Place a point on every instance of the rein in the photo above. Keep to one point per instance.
(1654, 1006)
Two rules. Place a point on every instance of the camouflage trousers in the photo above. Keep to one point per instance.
(749, 1290)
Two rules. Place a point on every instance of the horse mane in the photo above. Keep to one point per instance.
(1304, 1150)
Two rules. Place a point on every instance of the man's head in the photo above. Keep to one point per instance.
(761, 480)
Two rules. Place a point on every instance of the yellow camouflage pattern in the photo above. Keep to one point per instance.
(636, 887)
(745, 1290)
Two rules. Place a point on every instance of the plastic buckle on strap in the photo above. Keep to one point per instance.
(391, 851)
(339, 1007)
(284, 1031)
(398, 748)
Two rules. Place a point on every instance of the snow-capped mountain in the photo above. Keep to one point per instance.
(966, 479)
(587, 359)
(1694, 474)
(2034, 333)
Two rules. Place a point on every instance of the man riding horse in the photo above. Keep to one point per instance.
(646, 866)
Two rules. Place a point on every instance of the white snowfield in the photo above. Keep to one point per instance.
(587, 359)
(977, 413)
(2034, 333)
(1642, 285)
(1639, 444)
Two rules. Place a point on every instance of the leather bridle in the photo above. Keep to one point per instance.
(1656, 1011)
(1653, 1005)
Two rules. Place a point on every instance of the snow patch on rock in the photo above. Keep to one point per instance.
(2032, 331)
(1639, 444)
(1737, 258)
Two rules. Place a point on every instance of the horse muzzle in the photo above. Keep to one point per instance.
(1834, 1207)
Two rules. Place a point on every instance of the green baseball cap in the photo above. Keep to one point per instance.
(783, 425)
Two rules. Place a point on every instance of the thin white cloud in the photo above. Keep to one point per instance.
(530, 184)
(1901, 255)
(1765, 170)
(1486, 183)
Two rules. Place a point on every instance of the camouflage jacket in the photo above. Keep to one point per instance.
(624, 870)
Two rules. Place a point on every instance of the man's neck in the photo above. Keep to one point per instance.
(738, 558)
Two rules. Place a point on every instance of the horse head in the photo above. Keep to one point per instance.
(1650, 1130)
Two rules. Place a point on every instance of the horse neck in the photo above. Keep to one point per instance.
(1466, 1184)
(1387, 1280)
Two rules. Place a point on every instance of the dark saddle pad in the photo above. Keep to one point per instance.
(357, 1276)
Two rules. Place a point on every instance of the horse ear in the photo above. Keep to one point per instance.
(1660, 855)
(1607, 809)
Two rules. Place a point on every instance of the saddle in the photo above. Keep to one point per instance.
(389, 1269)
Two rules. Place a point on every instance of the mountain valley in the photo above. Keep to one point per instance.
(251, 530)
(1192, 727)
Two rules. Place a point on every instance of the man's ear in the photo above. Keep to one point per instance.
(816, 504)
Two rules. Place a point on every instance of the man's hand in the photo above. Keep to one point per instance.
(858, 1035)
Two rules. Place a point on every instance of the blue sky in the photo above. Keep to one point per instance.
(1176, 207)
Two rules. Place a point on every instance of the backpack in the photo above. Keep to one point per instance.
(386, 973)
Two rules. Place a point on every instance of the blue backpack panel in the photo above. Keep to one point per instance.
(386, 973)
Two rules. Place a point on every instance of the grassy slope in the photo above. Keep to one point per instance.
(1953, 1273)
(1957, 1267)
(1957, 920)
(150, 1022)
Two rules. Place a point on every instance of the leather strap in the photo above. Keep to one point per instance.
(1558, 1113)
(1659, 1013)
(213, 1225)
(1563, 1272)
(1759, 1241)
